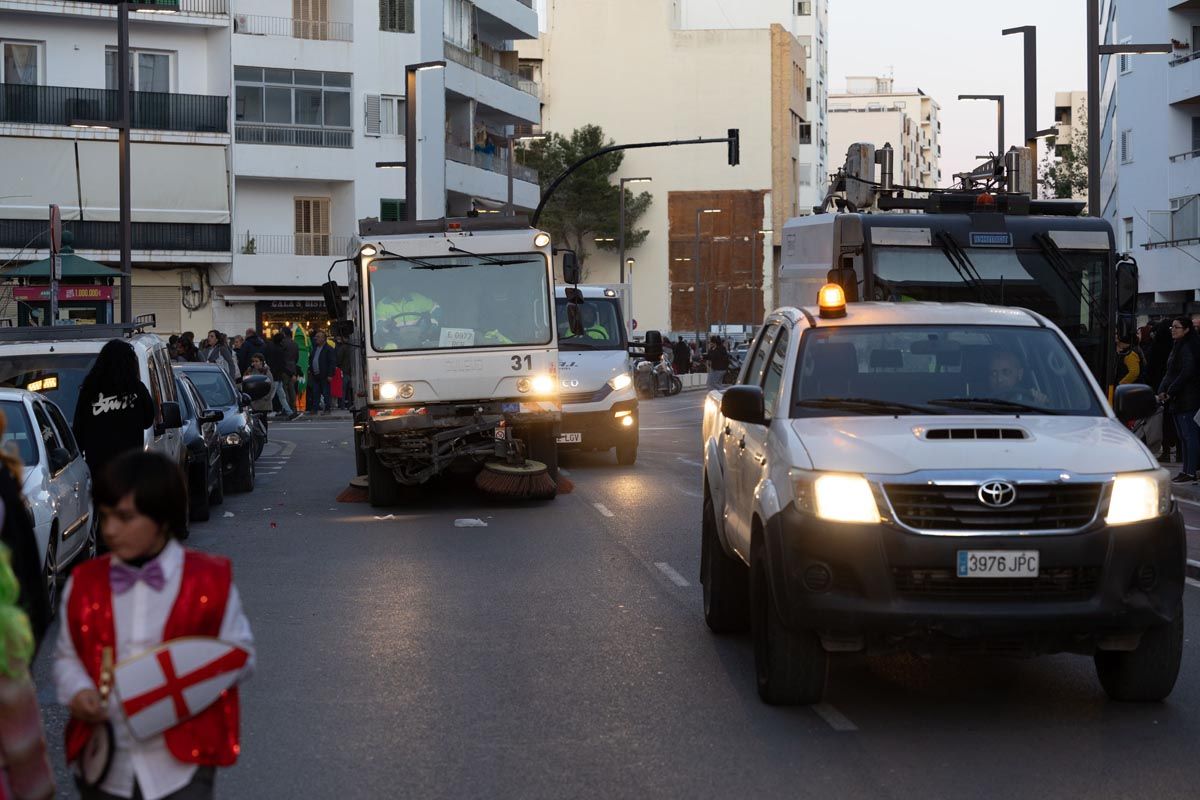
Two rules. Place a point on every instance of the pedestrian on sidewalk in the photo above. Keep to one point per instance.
(217, 351)
(291, 360)
(683, 357)
(718, 361)
(1180, 393)
(275, 362)
(321, 365)
(148, 592)
(261, 406)
(253, 343)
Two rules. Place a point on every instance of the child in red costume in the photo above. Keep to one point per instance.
(149, 590)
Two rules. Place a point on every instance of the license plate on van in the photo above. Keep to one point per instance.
(997, 563)
(570, 438)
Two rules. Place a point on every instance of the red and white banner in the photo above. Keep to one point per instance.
(70, 293)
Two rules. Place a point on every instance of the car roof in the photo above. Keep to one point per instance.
(921, 313)
(13, 393)
(589, 292)
(202, 366)
(141, 343)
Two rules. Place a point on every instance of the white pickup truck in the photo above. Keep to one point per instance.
(935, 478)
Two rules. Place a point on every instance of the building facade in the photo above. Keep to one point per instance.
(872, 111)
(286, 108)
(686, 82)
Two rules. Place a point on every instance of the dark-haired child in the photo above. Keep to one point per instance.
(147, 591)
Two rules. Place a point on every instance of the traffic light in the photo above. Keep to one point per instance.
(735, 147)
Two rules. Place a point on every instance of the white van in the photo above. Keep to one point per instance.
(599, 402)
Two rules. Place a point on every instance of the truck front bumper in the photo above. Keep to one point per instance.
(599, 430)
(881, 588)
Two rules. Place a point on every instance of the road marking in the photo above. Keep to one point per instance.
(1191, 503)
(674, 428)
(836, 719)
(690, 493)
(669, 571)
(1193, 582)
(602, 509)
(1191, 527)
(689, 461)
(562, 471)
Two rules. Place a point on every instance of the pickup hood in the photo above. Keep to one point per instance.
(589, 370)
(897, 446)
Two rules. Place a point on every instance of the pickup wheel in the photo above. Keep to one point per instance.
(1148, 673)
(725, 580)
(790, 667)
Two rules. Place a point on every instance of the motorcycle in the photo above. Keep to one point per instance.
(656, 380)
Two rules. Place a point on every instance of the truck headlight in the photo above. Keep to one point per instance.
(388, 391)
(1139, 496)
(619, 382)
(836, 497)
(542, 384)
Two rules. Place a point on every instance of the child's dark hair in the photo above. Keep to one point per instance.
(156, 484)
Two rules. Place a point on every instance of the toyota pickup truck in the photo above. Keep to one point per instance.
(935, 478)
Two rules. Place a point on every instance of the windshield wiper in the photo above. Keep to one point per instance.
(499, 262)
(990, 404)
(963, 265)
(866, 404)
(387, 255)
(1062, 268)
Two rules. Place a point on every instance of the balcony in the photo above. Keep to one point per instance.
(293, 135)
(489, 69)
(506, 20)
(1183, 175)
(1183, 80)
(204, 12)
(284, 259)
(160, 111)
(497, 163)
(317, 30)
(17, 234)
(291, 244)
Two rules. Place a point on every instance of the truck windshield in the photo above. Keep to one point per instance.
(926, 369)
(459, 301)
(57, 376)
(602, 326)
(1070, 293)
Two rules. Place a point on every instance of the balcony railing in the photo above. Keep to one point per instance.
(489, 70)
(291, 244)
(488, 161)
(293, 135)
(33, 234)
(160, 111)
(208, 7)
(319, 30)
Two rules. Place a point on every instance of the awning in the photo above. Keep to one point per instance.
(254, 298)
(73, 267)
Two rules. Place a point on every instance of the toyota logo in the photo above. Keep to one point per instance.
(997, 494)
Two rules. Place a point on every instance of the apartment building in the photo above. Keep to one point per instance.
(1070, 118)
(871, 110)
(686, 82)
(286, 108)
(1150, 147)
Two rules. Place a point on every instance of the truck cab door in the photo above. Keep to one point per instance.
(754, 465)
(736, 438)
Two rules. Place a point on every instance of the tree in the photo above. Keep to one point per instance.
(1065, 173)
(587, 205)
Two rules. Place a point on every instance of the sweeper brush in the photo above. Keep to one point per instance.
(528, 481)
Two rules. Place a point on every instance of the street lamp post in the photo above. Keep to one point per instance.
(621, 222)
(999, 100)
(696, 288)
(410, 137)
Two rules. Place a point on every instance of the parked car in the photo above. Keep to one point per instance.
(57, 483)
(241, 431)
(202, 443)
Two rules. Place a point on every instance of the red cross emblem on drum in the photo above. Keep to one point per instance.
(175, 681)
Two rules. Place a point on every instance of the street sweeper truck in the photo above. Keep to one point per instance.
(455, 372)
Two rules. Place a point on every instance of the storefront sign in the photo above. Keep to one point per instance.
(274, 306)
(77, 294)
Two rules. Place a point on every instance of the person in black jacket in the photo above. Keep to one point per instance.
(321, 365)
(1180, 393)
(18, 535)
(683, 357)
(718, 361)
(114, 407)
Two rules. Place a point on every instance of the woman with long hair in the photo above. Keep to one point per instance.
(216, 350)
(114, 407)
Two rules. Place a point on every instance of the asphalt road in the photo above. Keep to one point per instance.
(560, 651)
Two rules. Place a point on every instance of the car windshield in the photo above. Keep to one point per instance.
(602, 329)
(17, 431)
(939, 370)
(214, 387)
(459, 301)
(57, 376)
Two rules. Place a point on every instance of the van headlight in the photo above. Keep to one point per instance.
(542, 384)
(1139, 496)
(836, 497)
(619, 382)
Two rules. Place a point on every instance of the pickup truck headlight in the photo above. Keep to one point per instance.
(836, 497)
(1139, 496)
(619, 382)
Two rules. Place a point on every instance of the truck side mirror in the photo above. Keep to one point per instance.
(846, 277)
(335, 307)
(1127, 286)
(574, 315)
(342, 328)
(744, 404)
(654, 345)
(570, 267)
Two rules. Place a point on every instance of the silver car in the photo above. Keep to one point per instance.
(57, 482)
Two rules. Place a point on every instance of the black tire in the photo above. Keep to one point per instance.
(243, 475)
(726, 580)
(790, 667)
(50, 571)
(676, 387)
(542, 443)
(360, 455)
(627, 449)
(199, 499)
(383, 490)
(1147, 674)
(217, 496)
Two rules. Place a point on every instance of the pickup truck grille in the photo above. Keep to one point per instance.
(1056, 583)
(1038, 507)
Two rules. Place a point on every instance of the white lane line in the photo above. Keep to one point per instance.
(689, 461)
(836, 719)
(1191, 503)
(673, 428)
(602, 509)
(1191, 527)
(1193, 582)
(669, 571)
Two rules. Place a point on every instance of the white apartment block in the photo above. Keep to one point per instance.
(1070, 117)
(255, 156)
(872, 111)
(1150, 147)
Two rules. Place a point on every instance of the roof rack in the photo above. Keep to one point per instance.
(60, 333)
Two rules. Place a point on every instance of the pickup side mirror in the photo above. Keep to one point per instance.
(570, 267)
(744, 404)
(60, 459)
(212, 416)
(171, 415)
(1134, 401)
(335, 307)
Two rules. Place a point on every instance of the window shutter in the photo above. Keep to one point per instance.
(1126, 147)
(391, 210)
(371, 115)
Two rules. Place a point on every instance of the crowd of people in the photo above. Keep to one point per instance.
(687, 357)
(326, 375)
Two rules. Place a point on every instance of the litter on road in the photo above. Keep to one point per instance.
(470, 523)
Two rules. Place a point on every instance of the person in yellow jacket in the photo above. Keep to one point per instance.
(592, 329)
(404, 319)
(1129, 361)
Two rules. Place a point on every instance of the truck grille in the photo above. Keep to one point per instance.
(586, 397)
(1056, 583)
(1037, 507)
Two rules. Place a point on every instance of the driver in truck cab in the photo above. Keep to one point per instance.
(403, 318)
(592, 329)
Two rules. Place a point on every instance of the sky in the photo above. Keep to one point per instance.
(952, 47)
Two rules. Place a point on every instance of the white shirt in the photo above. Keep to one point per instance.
(139, 616)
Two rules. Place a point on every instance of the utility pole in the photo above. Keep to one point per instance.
(696, 288)
(125, 226)
(621, 222)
